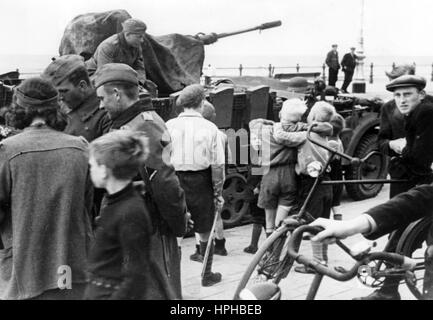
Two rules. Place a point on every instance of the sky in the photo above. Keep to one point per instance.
(309, 27)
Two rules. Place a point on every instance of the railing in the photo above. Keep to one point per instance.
(271, 69)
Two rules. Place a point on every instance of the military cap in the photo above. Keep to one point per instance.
(59, 70)
(115, 72)
(191, 96)
(134, 26)
(406, 81)
(400, 70)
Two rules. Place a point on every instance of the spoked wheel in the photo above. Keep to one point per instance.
(270, 263)
(412, 244)
(236, 204)
(369, 275)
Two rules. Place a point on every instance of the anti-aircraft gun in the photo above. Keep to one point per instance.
(213, 37)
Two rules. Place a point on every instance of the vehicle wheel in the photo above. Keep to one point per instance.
(270, 263)
(236, 204)
(412, 244)
(375, 168)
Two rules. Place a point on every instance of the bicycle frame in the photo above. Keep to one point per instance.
(404, 264)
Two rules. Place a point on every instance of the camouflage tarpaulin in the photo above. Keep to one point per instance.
(172, 61)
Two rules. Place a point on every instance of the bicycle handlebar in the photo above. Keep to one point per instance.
(296, 237)
(353, 160)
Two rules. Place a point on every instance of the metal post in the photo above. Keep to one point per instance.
(393, 65)
(270, 70)
(324, 70)
(371, 72)
(432, 72)
(240, 70)
(297, 67)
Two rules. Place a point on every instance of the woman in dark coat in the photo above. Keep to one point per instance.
(45, 200)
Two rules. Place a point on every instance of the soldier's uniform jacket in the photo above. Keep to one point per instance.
(88, 120)
(115, 49)
(168, 195)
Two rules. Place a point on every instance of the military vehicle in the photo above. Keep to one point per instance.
(237, 100)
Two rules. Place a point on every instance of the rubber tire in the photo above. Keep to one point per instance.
(357, 192)
(287, 262)
(410, 241)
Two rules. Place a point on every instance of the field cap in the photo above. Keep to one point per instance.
(59, 70)
(115, 72)
(134, 26)
(406, 81)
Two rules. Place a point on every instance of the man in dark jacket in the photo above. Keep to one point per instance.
(117, 89)
(333, 64)
(69, 76)
(380, 220)
(348, 65)
(392, 132)
(415, 152)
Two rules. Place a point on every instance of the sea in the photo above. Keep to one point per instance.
(255, 65)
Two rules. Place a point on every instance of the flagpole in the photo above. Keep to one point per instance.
(359, 84)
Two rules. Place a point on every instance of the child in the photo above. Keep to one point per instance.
(279, 142)
(119, 262)
(337, 122)
(308, 155)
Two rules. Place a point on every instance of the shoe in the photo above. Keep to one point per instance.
(250, 249)
(211, 279)
(196, 256)
(304, 269)
(220, 247)
(380, 295)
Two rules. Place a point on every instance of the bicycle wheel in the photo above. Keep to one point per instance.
(270, 263)
(413, 244)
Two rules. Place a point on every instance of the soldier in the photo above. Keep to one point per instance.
(198, 157)
(117, 88)
(333, 64)
(123, 47)
(69, 76)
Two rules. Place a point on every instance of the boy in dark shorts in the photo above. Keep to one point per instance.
(278, 187)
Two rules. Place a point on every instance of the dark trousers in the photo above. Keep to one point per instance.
(333, 76)
(348, 75)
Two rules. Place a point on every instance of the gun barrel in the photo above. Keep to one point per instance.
(263, 26)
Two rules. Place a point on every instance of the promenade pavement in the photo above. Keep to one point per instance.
(296, 285)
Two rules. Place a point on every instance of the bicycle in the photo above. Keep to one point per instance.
(272, 263)
(398, 265)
